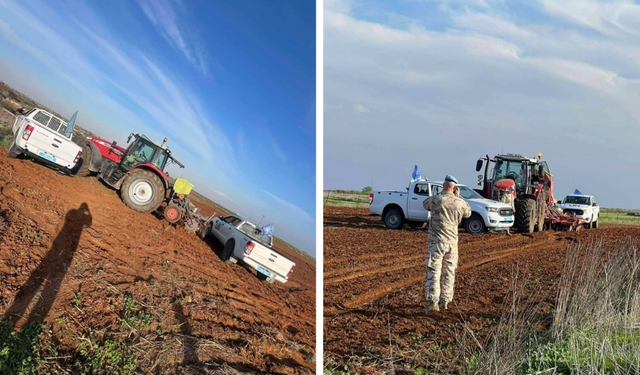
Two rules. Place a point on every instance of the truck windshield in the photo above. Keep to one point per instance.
(576, 200)
(254, 232)
(468, 193)
(508, 169)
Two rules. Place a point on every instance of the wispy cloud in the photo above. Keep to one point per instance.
(164, 18)
(481, 78)
(296, 211)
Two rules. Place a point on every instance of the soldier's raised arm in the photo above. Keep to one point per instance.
(466, 210)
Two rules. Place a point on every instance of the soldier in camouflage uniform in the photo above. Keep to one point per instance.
(447, 211)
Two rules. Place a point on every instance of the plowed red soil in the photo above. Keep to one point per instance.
(70, 251)
(374, 289)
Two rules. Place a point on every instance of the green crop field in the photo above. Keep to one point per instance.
(619, 218)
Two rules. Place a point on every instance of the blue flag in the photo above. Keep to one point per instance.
(577, 192)
(71, 124)
(267, 230)
(416, 173)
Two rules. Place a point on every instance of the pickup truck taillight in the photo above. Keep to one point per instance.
(370, 199)
(293, 268)
(248, 248)
(77, 157)
(27, 132)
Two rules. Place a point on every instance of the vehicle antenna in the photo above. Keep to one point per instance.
(260, 220)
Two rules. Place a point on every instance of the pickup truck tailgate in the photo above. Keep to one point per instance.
(271, 259)
(46, 141)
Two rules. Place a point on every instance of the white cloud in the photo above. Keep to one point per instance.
(489, 81)
(361, 108)
(163, 16)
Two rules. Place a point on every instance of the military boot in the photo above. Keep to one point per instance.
(432, 306)
(443, 305)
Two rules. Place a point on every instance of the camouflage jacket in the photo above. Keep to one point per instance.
(447, 211)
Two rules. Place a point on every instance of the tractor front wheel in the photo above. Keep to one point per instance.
(142, 191)
(525, 215)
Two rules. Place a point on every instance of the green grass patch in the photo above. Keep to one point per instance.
(34, 350)
(619, 218)
(6, 137)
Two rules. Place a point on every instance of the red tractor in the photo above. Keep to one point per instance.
(137, 171)
(533, 185)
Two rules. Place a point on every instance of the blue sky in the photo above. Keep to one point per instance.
(231, 84)
(442, 83)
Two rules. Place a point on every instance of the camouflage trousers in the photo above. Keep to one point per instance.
(442, 260)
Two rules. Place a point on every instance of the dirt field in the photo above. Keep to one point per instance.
(374, 290)
(73, 253)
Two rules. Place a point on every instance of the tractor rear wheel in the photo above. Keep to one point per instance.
(542, 210)
(525, 215)
(142, 191)
(172, 213)
(84, 171)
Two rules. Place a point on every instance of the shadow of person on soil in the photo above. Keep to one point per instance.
(51, 270)
(189, 343)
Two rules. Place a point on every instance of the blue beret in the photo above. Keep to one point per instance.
(451, 178)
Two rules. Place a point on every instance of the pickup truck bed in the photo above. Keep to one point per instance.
(242, 241)
(43, 137)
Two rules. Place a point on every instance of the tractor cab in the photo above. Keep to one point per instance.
(527, 173)
(144, 151)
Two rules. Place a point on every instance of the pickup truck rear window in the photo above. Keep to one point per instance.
(54, 124)
(42, 118)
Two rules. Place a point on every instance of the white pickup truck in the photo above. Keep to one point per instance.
(396, 207)
(46, 138)
(583, 206)
(243, 241)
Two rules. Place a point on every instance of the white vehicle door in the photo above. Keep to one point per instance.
(225, 228)
(415, 208)
(51, 144)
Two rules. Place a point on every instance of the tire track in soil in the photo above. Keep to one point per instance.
(372, 295)
(359, 336)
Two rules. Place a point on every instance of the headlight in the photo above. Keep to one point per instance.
(493, 209)
(560, 209)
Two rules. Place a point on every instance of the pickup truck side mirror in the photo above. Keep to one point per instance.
(220, 217)
(595, 204)
(559, 202)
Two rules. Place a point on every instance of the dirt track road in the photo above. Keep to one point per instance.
(374, 288)
(73, 246)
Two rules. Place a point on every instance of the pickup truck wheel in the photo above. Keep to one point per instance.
(84, 171)
(227, 251)
(394, 219)
(13, 153)
(595, 223)
(475, 224)
(142, 191)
